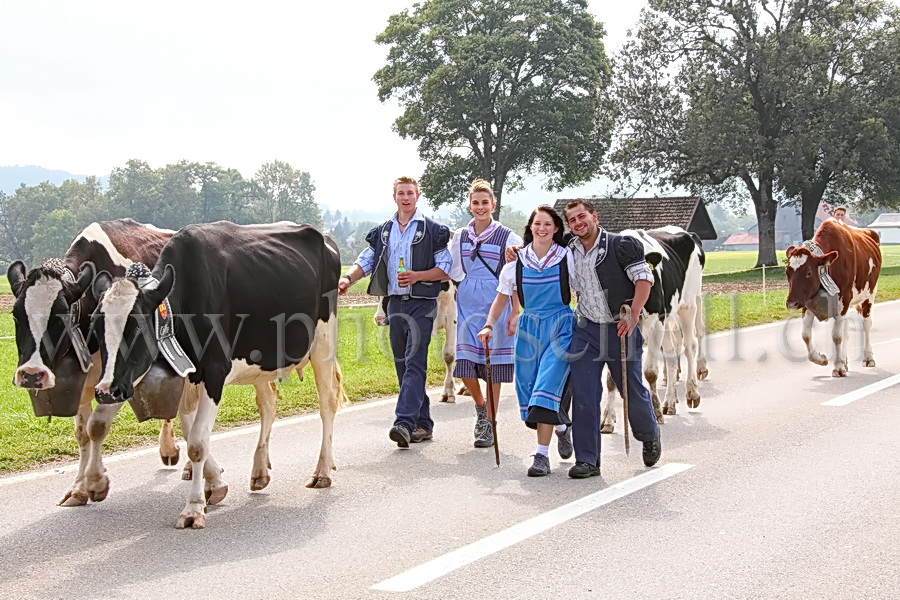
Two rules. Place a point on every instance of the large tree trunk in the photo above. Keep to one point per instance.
(766, 208)
(810, 198)
(499, 181)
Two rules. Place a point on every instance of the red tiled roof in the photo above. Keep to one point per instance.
(736, 239)
(616, 214)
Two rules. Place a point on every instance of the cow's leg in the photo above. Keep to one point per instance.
(653, 332)
(838, 333)
(95, 478)
(194, 513)
(214, 488)
(811, 352)
(266, 397)
(77, 494)
(449, 351)
(608, 405)
(380, 317)
(670, 350)
(689, 343)
(168, 447)
(700, 333)
(331, 396)
(865, 311)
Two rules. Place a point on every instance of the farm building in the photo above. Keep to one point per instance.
(788, 229)
(616, 214)
(888, 227)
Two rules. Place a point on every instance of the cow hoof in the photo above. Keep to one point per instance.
(702, 374)
(195, 518)
(259, 483)
(669, 409)
(448, 399)
(660, 420)
(693, 400)
(74, 499)
(607, 427)
(819, 359)
(463, 391)
(171, 460)
(216, 494)
(838, 373)
(188, 473)
(869, 362)
(319, 482)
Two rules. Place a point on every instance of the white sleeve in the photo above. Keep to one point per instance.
(507, 283)
(573, 271)
(457, 273)
(513, 239)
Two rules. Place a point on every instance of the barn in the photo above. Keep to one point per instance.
(617, 214)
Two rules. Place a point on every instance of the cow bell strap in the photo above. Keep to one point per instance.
(79, 344)
(164, 330)
(825, 279)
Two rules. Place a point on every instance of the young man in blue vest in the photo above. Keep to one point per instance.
(407, 259)
(610, 270)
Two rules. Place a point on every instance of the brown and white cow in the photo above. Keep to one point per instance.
(444, 319)
(836, 270)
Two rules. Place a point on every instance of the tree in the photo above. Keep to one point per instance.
(497, 89)
(18, 215)
(706, 96)
(53, 233)
(286, 194)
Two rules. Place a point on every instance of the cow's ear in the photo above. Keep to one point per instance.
(16, 276)
(102, 282)
(830, 257)
(654, 258)
(164, 288)
(790, 251)
(74, 291)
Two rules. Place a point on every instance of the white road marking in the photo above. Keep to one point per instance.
(457, 559)
(862, 392)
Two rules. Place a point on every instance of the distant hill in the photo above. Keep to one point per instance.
(13, 177)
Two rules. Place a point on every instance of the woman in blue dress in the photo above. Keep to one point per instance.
(478, 252)
(540, 279)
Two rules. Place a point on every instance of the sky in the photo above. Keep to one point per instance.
(88, 85)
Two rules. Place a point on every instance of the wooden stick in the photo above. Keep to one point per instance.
(490, 401)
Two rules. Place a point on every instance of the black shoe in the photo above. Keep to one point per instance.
(400, 434)
(652, 452)
(583, 470)
(419, 435)
(564, 443)
(540, 467)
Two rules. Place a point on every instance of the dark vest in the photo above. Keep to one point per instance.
(565, 290)
(430, 237)
(615, 253)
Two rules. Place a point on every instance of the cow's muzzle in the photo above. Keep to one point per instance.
(106, 394)
(793, 304)
(33, 378)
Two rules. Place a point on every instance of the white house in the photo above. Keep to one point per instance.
(888, 227)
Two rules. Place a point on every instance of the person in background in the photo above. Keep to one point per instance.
(478, 251)
(839, 213)
(407, 259)
(540, 278)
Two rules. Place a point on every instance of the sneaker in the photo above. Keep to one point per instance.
(484, 435)
(583, 470)
(420, 435)
(400, 434)
(564, 443)
(652, 451)
(540, 466)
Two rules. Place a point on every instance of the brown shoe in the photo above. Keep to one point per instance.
(420, 435)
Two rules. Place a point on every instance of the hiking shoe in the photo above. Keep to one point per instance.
(400, 434)
(540, 466)
(564, 443)
(484, 435)
(420, 435)
(583, 470)
(652, 451)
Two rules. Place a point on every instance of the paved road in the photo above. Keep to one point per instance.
(763, 492)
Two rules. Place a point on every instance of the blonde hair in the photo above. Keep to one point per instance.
(410, 180)
(482, 185)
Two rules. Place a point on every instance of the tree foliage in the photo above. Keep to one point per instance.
(725, 97)
(497, 89)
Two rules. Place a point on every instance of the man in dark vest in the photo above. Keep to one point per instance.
(407, 259)
(609, 270)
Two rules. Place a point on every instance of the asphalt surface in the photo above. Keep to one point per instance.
(762, 492)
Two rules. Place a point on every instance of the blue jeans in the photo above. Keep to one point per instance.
(410, 321)
(594, 345)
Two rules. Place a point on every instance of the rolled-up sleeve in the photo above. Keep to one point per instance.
(507, 283)
(457, 273)
(366, 260)
(630, 254)
(443, 260)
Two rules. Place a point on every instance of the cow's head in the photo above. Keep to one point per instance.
(123, 322)
(803, 274)
(41, 312)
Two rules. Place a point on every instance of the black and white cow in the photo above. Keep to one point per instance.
(61, 384)
(674, 322)
(249, 303)
(445, 319)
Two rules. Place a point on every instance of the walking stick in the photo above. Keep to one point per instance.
(490, 394)
(625, 313)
